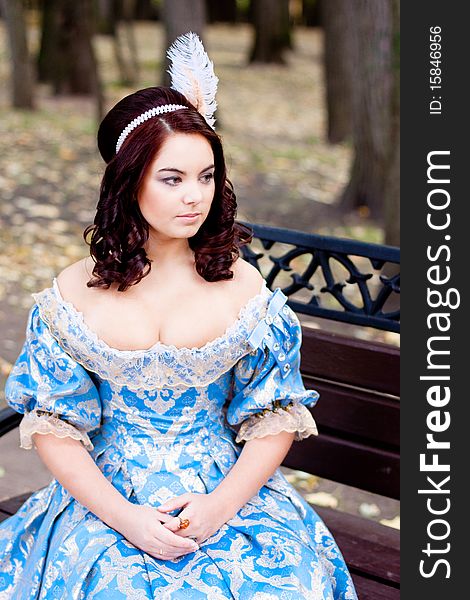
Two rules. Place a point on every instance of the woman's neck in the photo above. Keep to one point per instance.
(170, 253)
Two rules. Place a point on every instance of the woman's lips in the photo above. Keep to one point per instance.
(192, 217)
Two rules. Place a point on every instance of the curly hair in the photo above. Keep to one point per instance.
(119, 230)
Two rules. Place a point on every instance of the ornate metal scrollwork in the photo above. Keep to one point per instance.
(362, 298)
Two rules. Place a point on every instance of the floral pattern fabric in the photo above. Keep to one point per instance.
(158, 423)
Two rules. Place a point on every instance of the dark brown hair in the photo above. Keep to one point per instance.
(119, 230)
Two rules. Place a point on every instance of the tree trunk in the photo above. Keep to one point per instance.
(222, 12)
(66, 58)
(286, 24)
(392, 188)
(22, 77)
(181, 16)
(392, 196)
(146, 10)
(371, 54)
(272, 31)
(125, 47)
(128, 14)
(71, 65)
(338, 69)
(49, 40)
(245, 12)
(106, 16)
(311, 12)
(77, 70)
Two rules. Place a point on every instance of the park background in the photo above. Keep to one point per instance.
(309, 116)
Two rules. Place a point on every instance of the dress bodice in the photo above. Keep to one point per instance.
(165, 415)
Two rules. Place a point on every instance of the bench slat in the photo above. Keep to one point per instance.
(347, 462)
(369, 548)
(364, 414)
(360, 363)
(367, 589)
(362, 528)
(11, 505)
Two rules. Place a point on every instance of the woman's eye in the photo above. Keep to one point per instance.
(174, 180)
(171, 180)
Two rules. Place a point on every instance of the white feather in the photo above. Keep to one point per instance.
(192, 74)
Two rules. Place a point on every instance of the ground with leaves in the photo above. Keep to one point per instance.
(272, 122)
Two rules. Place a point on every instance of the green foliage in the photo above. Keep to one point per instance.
(243, 6)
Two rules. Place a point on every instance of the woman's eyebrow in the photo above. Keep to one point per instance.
(174, 170)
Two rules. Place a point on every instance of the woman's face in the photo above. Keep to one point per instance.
(179, 181)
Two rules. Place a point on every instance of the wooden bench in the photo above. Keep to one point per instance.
(358, 445)
(358, 411)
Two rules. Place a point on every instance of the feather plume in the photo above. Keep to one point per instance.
(192, 74)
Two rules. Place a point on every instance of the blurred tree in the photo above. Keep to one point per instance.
(296, 12)
(311, 12)
(147, 10)
(245, 11)
(272, 31)
(222, 11)
(129, 10)
(287, 21)
(106, 16)
(116, 18)
(125, 47)
(48, 45)
(22, 77)
(392, 183)
(66, 58)
(179, 17)
(371, 55)
(338, 68)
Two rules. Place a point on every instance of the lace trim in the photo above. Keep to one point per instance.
(43, 422)
(159, 366)
(294, 417)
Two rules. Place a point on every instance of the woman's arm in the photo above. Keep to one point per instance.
(73, 467)
(257, 462)
(77, 472)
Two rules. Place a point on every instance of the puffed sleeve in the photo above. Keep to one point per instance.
(268, 392)
(54, 392)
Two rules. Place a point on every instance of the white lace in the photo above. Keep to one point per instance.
(295, 417)
(33, 422)
(160, 365)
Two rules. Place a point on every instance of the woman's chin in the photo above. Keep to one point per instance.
(181, 232)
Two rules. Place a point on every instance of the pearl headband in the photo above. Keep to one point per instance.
(192, 74)
(153, 112)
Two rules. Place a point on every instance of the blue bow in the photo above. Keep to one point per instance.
(263, 334)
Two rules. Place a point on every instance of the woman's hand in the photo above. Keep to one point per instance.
(144, 527)
(205, 512)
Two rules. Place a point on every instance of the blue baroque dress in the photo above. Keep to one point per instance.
(158, 423)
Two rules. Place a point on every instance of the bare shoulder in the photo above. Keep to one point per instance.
(72, 281)
(247, 279)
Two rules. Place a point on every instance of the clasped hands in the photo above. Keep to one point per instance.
(158, 533)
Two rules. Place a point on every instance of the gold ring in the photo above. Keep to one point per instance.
(184, 523)
(160, 551)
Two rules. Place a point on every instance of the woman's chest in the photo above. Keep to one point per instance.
(183, 323)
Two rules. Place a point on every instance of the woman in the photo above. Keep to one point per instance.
(160, 385)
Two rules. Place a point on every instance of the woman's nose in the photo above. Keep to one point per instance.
(192, 193)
